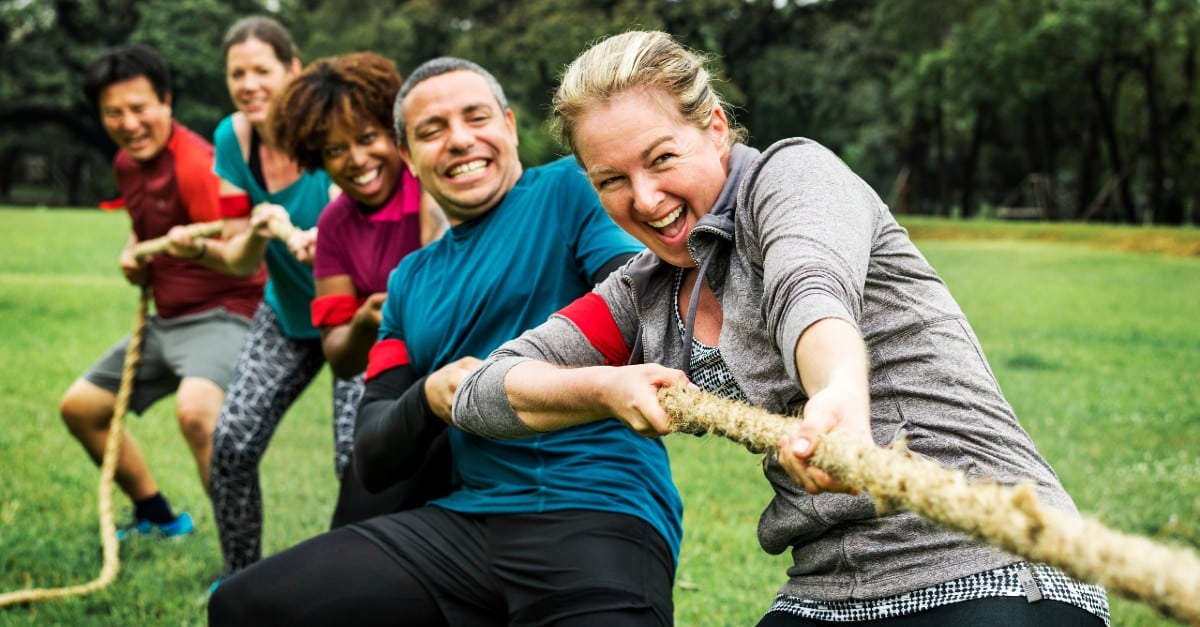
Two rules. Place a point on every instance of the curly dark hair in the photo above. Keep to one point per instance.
(358, 87)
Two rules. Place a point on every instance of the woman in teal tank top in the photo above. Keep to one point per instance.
(282, 354)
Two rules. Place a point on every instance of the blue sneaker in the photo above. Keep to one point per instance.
(181, 526)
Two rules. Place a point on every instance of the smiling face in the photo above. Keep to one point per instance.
(363, 160)
(460, 144)
(656, 174)
(255, 76)
(136, 119)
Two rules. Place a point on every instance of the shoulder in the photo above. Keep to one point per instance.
(796, 158)
(123, 163)
(189, 148)
(561, 170)
(563, 180)
(407, 272)
(233, 131)
(335, 213)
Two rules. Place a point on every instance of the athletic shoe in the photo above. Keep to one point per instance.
(181, 526)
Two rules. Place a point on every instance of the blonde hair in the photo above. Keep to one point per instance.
(636, 60)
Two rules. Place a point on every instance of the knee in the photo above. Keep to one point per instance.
(234, 453)
(226, 607)
(240, 600)
(197, 421)
(83, 409)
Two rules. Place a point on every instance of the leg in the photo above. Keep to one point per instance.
(628, 575)
(202, 350)
(271, 372)
(198, 404)
(346, 395)
(355, 502)
(645, 617)
(337, 578)
(87, 410)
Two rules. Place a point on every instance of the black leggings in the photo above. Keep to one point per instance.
(991, 612)
(354, 584)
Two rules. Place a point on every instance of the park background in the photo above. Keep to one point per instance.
(1077, 117)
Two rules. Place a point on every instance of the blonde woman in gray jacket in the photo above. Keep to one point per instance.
(781, 279)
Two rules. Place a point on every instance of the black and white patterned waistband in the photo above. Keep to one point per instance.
(1015, 580)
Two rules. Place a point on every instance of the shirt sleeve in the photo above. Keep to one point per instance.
(587, 332)
(812, 222)
(330, 257)
(198, 184)
(595, 238)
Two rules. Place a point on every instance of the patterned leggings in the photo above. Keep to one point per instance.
(271, 372)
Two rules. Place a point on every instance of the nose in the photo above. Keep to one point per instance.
(357, 154)
(129, 121)
(248, 82)
(461, 138)
(646, 194)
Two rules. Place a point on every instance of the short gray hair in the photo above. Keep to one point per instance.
(437, 67)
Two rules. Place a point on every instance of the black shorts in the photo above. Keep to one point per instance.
(529, 569)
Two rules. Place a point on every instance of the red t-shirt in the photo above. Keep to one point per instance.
(178, 186)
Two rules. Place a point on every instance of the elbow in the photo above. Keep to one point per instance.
(342, 369)
(370, 462)
(481, 407)
(371, 479)
(242, 269)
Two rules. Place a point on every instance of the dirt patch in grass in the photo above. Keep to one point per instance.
(1174, 241)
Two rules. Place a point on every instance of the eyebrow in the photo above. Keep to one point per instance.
(603, 169)
(465, 110)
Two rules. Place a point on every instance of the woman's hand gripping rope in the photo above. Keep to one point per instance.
(1007, 516)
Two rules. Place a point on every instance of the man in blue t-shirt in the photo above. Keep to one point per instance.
(577, 527)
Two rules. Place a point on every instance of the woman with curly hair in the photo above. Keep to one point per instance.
(339, 118)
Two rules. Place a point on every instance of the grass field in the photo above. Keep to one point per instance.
(1098, 350)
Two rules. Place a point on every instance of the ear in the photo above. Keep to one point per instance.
(719, 127)
(407, 159)
(294, 68)
(510, 119)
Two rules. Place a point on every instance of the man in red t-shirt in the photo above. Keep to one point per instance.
(190, 345)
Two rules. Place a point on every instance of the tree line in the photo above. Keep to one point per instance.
(1051, 109)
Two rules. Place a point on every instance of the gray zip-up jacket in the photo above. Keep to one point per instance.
(796, 237)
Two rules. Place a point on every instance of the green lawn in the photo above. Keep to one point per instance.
(1097, 349)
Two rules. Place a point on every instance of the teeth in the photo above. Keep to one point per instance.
(467, 168)
(363, 179)
(671, 217)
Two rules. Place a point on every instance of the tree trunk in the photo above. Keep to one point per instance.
(1108, 132)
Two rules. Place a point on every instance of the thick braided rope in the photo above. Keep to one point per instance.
(280, 228)
(1010, 517)
(108, 468)
(159, 244)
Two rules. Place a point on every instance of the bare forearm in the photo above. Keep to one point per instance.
(831, 352)
(548, 397)
(241, 254)
(346, 348)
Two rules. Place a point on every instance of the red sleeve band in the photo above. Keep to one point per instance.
(334, 310)
(237, 206)
(593, 318)
(115, 204)
(385, 355)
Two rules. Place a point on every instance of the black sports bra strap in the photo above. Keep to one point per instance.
(255, 161)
